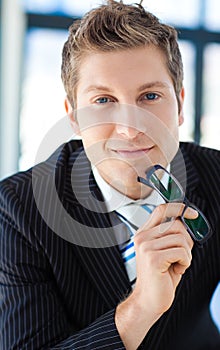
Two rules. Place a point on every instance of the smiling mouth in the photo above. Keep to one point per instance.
(133, 153)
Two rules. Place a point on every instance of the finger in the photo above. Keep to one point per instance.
(167, 229)
(172, 228)
(161, 261)
(174, 240)
(190, 213)
(166, 212)
(177, 256)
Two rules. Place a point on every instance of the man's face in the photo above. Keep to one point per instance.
(127, 113)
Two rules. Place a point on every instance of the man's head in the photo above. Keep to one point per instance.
(122, 72)
(116, 26)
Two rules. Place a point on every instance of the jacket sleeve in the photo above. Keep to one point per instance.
(31, 311)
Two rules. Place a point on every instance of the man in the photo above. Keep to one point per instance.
(65, 224)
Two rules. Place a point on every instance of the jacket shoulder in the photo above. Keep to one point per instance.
(201, 155)
(204, 162)
(20, 185)
(59, 158)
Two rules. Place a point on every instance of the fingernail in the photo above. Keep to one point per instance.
(192, 211)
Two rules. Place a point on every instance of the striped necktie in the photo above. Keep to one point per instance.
(133, 216)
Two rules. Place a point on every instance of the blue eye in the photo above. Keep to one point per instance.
(103, 100)
(150, 96)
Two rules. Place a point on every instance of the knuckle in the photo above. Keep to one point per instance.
(152, 258)
(159, 210)
(140, 238)
(187, 257)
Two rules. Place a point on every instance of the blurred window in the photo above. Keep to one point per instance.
(181, 13)
(188, 55)
(210, 126)
(212, 15)
(43, 92)
(69, 7)
(184, 13)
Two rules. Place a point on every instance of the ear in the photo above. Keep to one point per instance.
(72, 116)
(181, 100)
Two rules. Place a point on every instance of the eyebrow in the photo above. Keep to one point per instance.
(97, 87)
(153, 84)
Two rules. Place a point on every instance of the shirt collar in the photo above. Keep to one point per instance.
(115, 199)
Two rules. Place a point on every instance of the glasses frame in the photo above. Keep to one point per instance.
(182, 199)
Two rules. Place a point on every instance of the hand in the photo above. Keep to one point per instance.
(163, 253)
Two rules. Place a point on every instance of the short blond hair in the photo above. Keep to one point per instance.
(117, 26)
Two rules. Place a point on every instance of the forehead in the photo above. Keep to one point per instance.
(130, 66)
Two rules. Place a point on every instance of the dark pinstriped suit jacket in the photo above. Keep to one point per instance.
(60, 295)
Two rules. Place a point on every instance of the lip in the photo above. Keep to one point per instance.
(133, 153)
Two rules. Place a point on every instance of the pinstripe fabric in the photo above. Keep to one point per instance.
(59, 295)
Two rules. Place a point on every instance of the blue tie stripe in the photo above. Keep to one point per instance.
(147, 208)
(130, 244)
(129, 257)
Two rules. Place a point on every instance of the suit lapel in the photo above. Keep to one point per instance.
(184, 170)
(106, 271)
(88, 227)
(103, 265)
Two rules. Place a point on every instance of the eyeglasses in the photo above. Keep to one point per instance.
(172, 191)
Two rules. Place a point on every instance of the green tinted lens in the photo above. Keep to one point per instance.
(175, 192)
(198, 227)
(171, 191)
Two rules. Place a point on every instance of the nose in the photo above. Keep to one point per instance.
(129, 122)
(127, 131)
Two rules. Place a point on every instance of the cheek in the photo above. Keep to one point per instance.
(169, 115)
(94, 140)
(171, 123)
(93, 136)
